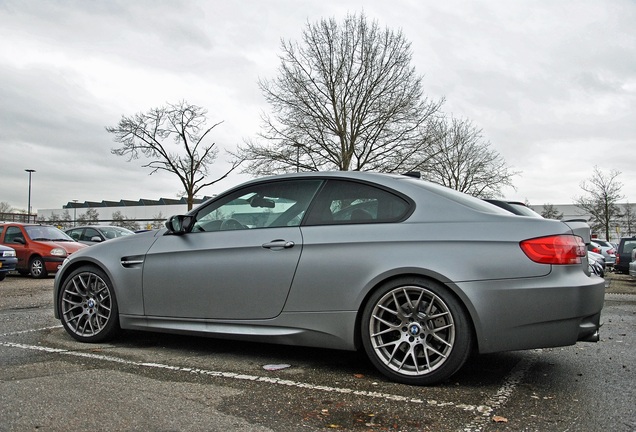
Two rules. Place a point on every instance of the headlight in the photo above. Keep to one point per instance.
(58, 252)
(8, 253)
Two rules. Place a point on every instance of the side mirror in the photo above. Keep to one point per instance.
(19, 240)
(259, 201)
(179, 224)
(96, 239)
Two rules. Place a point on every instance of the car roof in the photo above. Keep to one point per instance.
(402, 183)
(24, 224)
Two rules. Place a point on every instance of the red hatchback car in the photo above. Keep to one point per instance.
(41, 249)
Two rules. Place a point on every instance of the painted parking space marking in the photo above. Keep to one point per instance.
(484, 411)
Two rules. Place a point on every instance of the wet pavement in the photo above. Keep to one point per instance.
(150, 381)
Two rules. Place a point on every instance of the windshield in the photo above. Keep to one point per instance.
(114, 232)
(46, 233)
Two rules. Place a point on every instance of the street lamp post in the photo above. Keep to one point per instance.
(30, 171)
(74, 212)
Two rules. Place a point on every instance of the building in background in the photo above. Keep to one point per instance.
(148, 214)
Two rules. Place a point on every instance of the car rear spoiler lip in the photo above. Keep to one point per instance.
(581, 228)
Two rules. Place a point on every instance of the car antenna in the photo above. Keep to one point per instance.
(415, 174)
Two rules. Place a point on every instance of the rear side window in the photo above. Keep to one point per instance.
(629, 246)
(348, 202)
(12, 234)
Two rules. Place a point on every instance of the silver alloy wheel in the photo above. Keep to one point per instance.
(86, 304)
(36, 268)
(412, 330)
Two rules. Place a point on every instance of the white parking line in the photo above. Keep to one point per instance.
(499, 399)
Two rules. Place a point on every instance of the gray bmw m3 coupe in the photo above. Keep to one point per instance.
(415, 274)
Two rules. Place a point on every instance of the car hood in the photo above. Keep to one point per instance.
(137, 244)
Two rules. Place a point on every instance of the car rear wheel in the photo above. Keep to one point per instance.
(37, 268)
(88, 307)
(415, 331)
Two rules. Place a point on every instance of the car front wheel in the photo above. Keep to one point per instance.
(37, 268)
(88, 307)
(415, 331)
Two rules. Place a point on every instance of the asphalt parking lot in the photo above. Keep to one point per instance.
(147, 381)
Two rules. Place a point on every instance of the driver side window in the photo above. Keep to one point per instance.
(268, 205)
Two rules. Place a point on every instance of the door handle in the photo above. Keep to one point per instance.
(279, 244)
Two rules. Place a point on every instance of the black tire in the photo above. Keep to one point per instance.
(415, 331)
(88, 307)
(37, 268)
(3, 275)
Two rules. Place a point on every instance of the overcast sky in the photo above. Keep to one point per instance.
(551, 83)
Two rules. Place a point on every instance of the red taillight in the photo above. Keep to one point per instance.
(596, 250)
(557, 249)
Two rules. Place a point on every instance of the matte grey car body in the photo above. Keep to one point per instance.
(267, 261)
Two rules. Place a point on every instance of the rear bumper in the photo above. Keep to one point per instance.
(556, 310)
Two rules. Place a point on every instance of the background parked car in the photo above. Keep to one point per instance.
(607, 250)
(624, 254)
(92, 234)
(8, 260)
(40, 249)
(597, 263)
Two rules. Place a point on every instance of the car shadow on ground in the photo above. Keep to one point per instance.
(479, 370)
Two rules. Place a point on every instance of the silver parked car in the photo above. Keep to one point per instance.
(267, 261)
(607, 249)
(597, 263)
(93, 234)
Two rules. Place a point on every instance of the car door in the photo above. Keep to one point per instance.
(349, 229)
(15, 238)
(89, 235)
(239, 259)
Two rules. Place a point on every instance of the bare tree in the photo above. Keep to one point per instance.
(460, 158)
(5, 207)
(182, 126)
(550, 212)
(603, 192)
(158, 221)
(345, 98)
(91, 217)
(629, 220)
(122, 221)
(62, 221)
